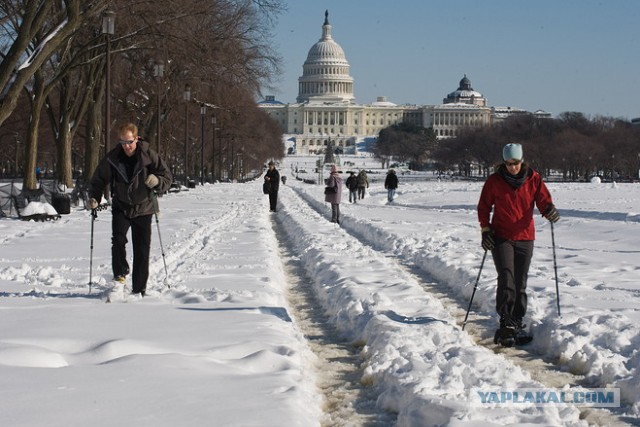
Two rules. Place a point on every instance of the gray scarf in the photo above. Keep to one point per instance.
(515, 180)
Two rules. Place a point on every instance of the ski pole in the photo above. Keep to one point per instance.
(164, 261)
(94, 214)
(474, 289)
(555, 267)
(166, 275)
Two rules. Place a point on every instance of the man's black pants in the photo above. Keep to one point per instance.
(273, 200)
(141, 241)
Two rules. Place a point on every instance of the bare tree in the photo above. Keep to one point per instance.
(36, 29)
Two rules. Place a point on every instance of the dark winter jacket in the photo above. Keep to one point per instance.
(512, 202)
(274, 179)
(352, 183)
(391, 181)
(128, 190)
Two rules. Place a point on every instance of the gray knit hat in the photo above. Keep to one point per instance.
(512, 151)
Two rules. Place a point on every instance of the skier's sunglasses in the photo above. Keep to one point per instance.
(513, 162)
(127, 142)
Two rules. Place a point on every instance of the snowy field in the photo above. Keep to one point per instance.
(219, 340)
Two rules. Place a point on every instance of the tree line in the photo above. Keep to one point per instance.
(174, 66)
(572, 144)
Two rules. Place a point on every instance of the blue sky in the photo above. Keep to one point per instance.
(554, 55)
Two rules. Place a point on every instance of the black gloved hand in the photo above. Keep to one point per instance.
(487, 239)
(551, 214)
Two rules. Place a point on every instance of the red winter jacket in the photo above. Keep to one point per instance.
(512, 208)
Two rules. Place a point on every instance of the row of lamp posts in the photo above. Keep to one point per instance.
(108, 29)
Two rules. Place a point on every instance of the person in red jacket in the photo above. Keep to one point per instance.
(511, 192)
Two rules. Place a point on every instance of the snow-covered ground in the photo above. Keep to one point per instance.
(219, 342)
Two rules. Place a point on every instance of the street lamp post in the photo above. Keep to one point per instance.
(186, 97)
(213, 148)
(231, 156)
(17, 162)
(159, 73)
(203, 112)
(613, 165)
(240, 166)
(220, 158)
(108, 29)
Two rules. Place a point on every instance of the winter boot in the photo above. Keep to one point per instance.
(506, 334)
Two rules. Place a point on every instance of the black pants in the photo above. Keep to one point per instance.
(273, 200)
(141, 240)
(512, 260)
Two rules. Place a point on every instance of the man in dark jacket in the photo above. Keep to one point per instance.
(352, 185)
(273, 178)
(135, 173)
(391, 184)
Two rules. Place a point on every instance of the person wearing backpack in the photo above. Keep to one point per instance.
(363, 183)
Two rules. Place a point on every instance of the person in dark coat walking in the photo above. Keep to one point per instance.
(352, 185)
(135, 173)
(273, 178)
(334, 197)
(391, 183)
(363, 183)
(511, 193)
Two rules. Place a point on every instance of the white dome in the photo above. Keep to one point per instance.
(326, 51)
(325, 75)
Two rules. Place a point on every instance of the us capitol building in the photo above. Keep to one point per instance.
(326, 113)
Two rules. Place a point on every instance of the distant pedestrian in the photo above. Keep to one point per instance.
(391, 184)
(352, 185)
(272, 177)
(284, 180)
(134, 172)
(334, 196)
(363, 183)
(510, 194)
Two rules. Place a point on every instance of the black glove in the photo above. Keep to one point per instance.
(551, 214)
(487, 239)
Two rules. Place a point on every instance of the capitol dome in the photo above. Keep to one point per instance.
(325, 75)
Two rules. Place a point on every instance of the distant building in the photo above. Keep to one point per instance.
(326, 113)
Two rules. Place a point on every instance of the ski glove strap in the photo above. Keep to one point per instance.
(487, 239)
(552, 214)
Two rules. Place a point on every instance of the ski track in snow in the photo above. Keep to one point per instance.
(543, 369)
